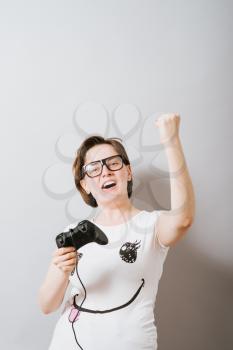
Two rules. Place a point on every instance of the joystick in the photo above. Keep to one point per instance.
(85, 232)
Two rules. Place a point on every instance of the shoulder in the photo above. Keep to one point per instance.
(152, 219)
(151, 215)
(147, 219)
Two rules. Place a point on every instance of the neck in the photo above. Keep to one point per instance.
(115, 213)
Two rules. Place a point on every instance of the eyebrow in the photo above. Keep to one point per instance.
(94, 161)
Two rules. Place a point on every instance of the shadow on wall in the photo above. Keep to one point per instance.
(194, 306)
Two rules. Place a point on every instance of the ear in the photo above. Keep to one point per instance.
(129, 172)
(84, 186)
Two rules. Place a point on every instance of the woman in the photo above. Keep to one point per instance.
(117, 282)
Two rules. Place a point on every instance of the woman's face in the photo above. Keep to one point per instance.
(120, 177)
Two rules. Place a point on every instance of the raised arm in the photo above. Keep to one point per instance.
(174, 223)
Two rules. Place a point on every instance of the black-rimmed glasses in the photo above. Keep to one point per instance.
(94, 169)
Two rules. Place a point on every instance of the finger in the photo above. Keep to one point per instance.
(67, 249)
(65, 257)
(71, 263)
(64, 250)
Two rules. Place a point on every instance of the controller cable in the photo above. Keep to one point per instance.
(80, 308)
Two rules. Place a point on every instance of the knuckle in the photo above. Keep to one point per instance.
(60, 251)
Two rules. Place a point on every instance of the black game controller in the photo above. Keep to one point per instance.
(85, 232)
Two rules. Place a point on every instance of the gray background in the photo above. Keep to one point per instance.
(162, 56)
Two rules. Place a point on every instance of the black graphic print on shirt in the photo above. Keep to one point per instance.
(128, 251)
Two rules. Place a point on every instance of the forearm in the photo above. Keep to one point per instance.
(182, 193)
(52, 291)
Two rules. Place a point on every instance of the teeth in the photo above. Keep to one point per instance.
(108, 183)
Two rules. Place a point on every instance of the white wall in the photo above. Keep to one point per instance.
(61, 64)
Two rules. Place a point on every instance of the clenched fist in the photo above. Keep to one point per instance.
(65, 258)
(168, 125)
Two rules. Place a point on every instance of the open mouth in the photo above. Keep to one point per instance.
(109, 186)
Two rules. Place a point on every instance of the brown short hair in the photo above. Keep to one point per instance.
(79, 161)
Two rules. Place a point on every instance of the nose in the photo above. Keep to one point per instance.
(105, 170)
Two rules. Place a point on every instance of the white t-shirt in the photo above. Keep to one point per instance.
(128, 268)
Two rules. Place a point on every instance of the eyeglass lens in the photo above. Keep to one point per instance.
(95, 168)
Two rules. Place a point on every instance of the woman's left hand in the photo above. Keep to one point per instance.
(168, 125)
